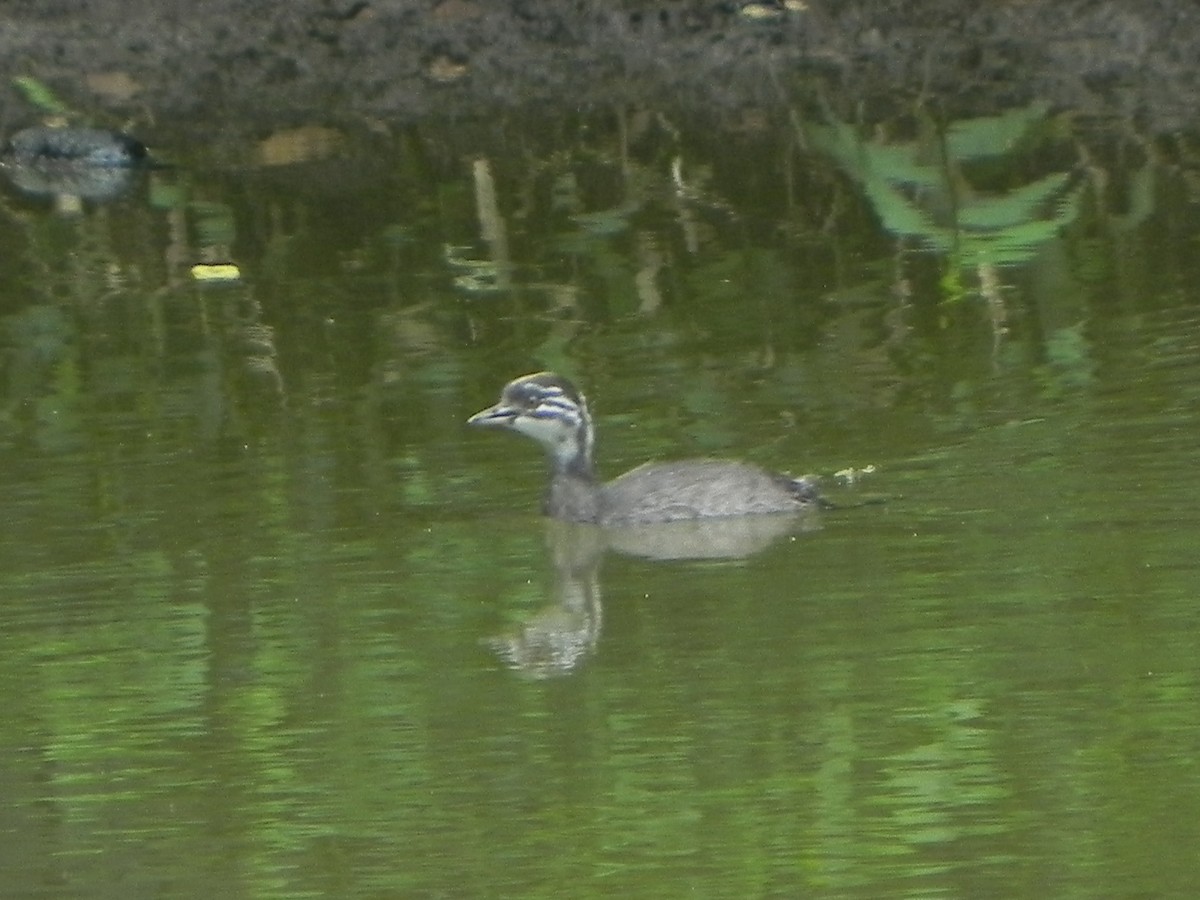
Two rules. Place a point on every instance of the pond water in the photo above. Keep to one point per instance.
(274, 623)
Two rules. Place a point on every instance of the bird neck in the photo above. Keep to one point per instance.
(573, 493)
(571, 454)
(573, 497)
(575, 465)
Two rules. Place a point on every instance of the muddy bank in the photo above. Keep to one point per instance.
(161, 63)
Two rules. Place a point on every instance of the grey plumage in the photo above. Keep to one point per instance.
(549, 409)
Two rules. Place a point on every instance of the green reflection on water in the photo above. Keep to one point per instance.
(251, 584)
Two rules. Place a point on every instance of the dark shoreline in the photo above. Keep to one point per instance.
(150, 64)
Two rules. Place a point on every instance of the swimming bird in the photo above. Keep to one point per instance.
(549, 409)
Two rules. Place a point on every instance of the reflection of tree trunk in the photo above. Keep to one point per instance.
(231, 761)
(990, 287)
(491, 225)
(688, 226)
(650, 263)
(565, 320)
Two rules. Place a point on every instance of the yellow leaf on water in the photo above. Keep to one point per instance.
(216, 273)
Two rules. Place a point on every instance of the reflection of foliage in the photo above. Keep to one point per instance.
(282, 638)
(919, 189)
(97, 322)
(1141, 199)
(476, 276)
(1069, 363)
(40, 95)
(213, 222)
(605, 222)
(42, 375)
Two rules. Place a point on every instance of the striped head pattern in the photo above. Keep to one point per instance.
(549, 409)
